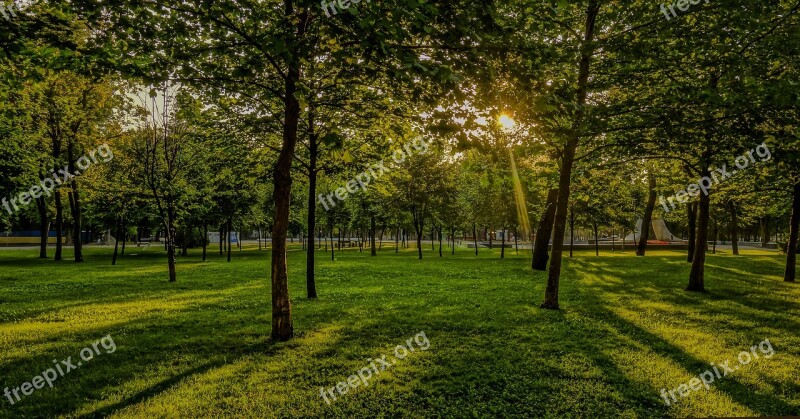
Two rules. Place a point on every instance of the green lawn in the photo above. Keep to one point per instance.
(201, 347)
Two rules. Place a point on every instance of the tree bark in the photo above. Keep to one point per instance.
(696, 277)
(124, 234)
(764, 231)
(372, 245)
(116, 243)
(282, 328)
(647, 221)
(228, 234)
(568, 159)
(571, 229)
(503, 245)
(789, 274)
(311, 284)
(475, 237)
(44, 227)
(205, 239)
(170, 242)
(543, 233)
(734, 230)
(692, 214)
(59, 226)
(596, 241)
(75, 205)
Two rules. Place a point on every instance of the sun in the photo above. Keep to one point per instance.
(506, 122)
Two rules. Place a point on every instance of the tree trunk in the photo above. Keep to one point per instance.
(716, 237)
(696, 277)
(187, 232)
(453, 235)
(475, 237)
(692, 214)
(59, 226)
(791, 247)
(734, 230)
(397, 241)
(373, 249)
(647, 221)
(503, 245)
(170, 241)
(44, 227)
(330, 234)
(282, 328)
(543, 233)
(311, 283)
(124, 234)
(228, 232)
(205, 239)
(440, 242)
(116, 244)
(764, 231)
(596, 241)
(568, 158)
(75, 205)
(418, 227)
(571, 230)
(516, 244)
(221, 237)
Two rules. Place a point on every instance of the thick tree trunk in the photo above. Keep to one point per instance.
(44, 226)
(691, 212)
(311, 284)
(734, 230)
(568, 158)
(282, 328)
(696, 277)
(543, 233)
(789, 274)
(647, 221)
(560, 225)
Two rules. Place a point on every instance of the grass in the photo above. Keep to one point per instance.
(201, 348)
